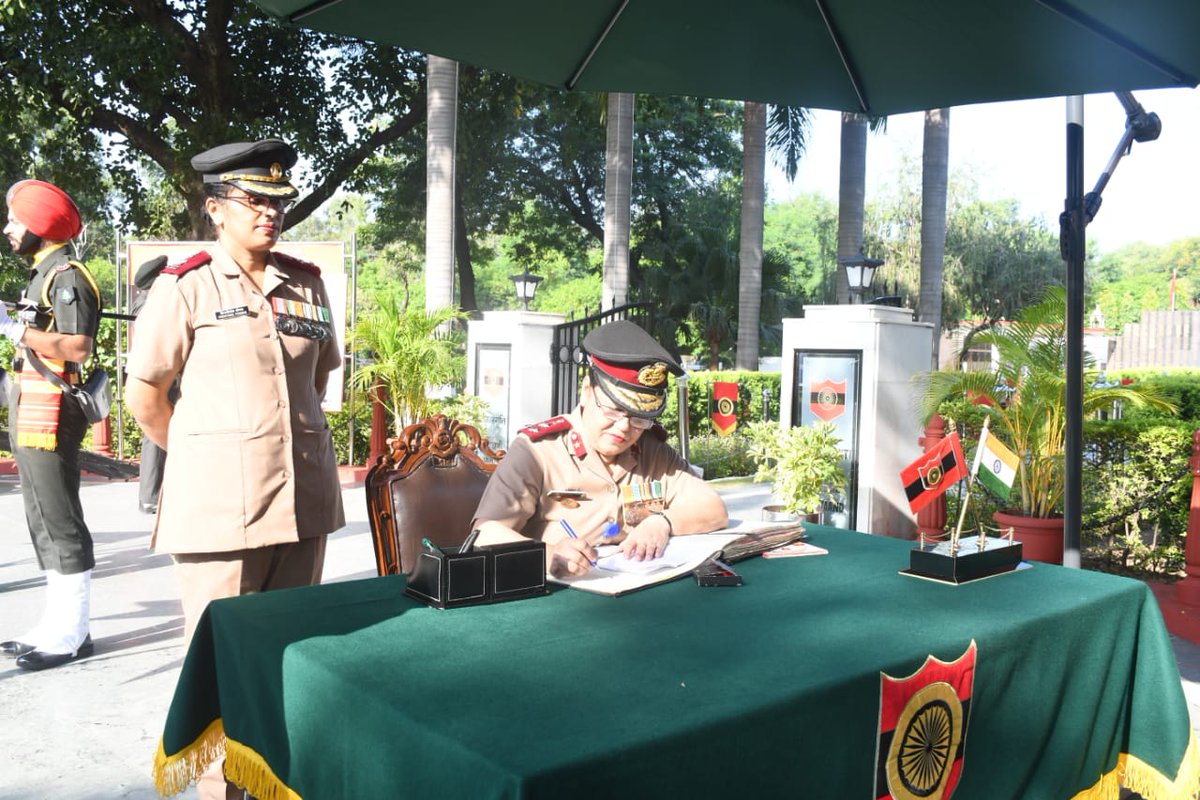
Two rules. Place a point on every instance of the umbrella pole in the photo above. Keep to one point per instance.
(1073, 244)
(1140, 126)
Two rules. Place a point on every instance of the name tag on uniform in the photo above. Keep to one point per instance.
(230, 313)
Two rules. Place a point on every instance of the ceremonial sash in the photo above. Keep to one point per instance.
(39, 405)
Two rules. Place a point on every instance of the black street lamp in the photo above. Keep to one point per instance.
(526, 284)
(860, 271)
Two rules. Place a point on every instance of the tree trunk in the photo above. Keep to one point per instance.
(442, 83)
(852, 190)
(462, 253)
(618, 185)
(934, 170)
(754, 149)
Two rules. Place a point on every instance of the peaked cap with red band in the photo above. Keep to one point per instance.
(630, 367)
(44, 209)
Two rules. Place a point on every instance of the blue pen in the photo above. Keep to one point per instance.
(571, 532)
(611, 529)
(567, 527)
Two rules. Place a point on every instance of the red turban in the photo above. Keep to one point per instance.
(46, 210)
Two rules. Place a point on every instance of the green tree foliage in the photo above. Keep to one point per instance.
(691, 275)
(803, 233)
(1138, 278)
(161, 80)
(997, 262)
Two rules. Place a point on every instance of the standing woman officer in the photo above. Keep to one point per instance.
(251, 486)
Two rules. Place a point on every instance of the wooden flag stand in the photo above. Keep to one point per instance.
(953, 562)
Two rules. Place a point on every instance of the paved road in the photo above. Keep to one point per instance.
(89, 730)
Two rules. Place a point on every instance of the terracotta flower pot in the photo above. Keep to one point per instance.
(1041, 537)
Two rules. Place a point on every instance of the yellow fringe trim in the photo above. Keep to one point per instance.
(1138, 776)
(42, 441)
(243, 766)
(250, 771)
(175, 773)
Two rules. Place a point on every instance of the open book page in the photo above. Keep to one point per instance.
(683, 554)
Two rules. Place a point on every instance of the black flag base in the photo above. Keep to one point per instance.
(972, 559)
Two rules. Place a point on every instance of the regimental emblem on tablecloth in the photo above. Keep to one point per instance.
(923, 729)
(827, 399)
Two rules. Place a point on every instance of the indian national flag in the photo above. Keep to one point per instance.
(995, 464)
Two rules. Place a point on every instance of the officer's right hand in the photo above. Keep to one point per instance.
(11, 328)
(569, 557)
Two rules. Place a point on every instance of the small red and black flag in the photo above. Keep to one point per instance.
(827, 399)
(934, 472)
(724, 407)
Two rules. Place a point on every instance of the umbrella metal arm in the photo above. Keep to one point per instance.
(1140, 126)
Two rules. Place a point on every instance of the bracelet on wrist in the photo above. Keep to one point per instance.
(670, 527)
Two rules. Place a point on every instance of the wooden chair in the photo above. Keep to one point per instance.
(426, 486)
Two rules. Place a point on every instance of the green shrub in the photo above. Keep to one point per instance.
(720, 456)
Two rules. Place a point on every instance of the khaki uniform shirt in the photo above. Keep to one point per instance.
(516, 494)
(251, 456)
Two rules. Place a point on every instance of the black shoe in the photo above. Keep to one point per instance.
(37, 660)
(15, 648)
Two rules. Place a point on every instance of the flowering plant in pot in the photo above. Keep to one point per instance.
(1025, 398)
(803, 463)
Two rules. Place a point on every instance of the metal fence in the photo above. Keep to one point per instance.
(569, 358)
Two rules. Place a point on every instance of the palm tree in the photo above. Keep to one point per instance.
(934, 168)
(784, 130)
(852, 190)
(618, 187)
(442, 87)
(754, 145)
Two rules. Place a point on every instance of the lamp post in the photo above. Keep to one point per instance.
(526, 284)
(860, 271)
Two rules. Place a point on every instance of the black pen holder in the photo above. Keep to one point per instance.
(487, 574)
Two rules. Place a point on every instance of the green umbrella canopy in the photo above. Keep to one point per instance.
(878, 56)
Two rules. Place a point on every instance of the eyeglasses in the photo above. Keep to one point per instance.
(616, 415)
(258, 203)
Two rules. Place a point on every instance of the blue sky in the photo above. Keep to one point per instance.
(1018, 150)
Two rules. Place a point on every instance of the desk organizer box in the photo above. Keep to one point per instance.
(487, 574)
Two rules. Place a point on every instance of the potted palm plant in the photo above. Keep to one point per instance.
(409, 350)
(803, 464)
(1025, 397)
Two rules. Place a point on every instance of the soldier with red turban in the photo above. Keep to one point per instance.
(56, 323)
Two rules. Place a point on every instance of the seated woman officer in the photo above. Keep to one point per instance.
(604, 472)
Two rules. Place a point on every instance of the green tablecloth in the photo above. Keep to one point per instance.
(767, 690)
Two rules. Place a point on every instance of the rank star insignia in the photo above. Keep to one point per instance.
(652, 374)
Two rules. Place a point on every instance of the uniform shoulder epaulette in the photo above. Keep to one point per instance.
(291, 262)
(189, 264)
(540, 430)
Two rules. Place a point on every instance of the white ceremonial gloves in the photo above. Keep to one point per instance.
(11, 328)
